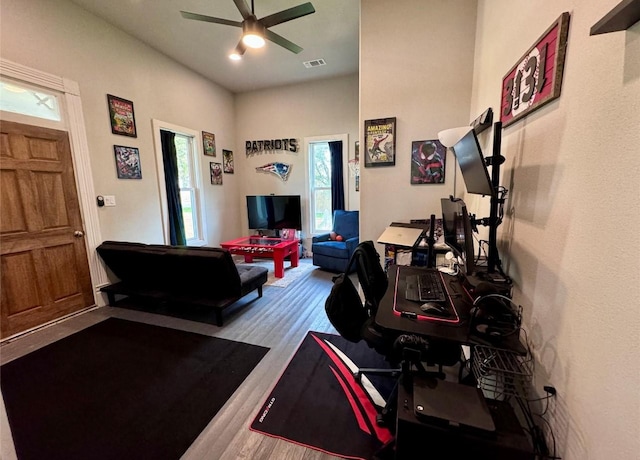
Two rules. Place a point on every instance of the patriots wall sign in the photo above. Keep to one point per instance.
(271, 146)
(537, 77)
(281, 170)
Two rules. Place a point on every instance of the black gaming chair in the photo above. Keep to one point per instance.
(355, 322)
(374, 283)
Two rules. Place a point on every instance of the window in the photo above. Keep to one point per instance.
(19, 98)
(319, 180)
(320, 186)
(189, 181)
(188, 187)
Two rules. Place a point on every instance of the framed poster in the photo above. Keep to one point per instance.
(209, 144)
(127, 162)
(536, 79)
(427, 162)
(121, 115)
(380, 142)
(216, 173)
(227, 161)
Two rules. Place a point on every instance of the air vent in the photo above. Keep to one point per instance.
(314, 63)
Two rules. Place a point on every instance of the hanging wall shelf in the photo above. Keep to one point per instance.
(623, 16)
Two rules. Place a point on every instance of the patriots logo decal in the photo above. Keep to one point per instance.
(281, 170)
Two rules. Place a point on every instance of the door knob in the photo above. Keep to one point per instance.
(78, 233)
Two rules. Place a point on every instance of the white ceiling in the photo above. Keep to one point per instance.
(331, 33)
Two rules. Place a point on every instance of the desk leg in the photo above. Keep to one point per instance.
(278, 264)
(248, 259)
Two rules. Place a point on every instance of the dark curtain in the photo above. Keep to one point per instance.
(337, 182)
(169, 159)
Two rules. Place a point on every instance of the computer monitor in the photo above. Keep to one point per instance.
(458, 234)
(472, 164)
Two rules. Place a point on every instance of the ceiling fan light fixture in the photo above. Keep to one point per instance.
(252, 34)
(235, 56)
(253, 41)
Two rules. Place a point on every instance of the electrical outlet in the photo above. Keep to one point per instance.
(109, 200)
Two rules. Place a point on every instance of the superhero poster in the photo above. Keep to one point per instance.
(427, 162)
(122, 117)
(380, 142)
(216, 173)
(127, 162)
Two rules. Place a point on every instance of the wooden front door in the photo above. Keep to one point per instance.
(44, 269)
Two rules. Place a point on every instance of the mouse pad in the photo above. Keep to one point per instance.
(454, 403)
(401, 304)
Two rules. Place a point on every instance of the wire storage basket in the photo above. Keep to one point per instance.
(501, 373)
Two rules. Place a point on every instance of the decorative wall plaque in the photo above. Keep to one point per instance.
(537, 77)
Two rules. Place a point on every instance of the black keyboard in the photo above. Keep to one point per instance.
(425, 287)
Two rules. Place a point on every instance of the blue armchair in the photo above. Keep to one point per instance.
(334, 255)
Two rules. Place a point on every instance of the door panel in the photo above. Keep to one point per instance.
(45, 272)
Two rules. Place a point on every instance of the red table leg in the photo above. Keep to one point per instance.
(278, 263)
(295, 256)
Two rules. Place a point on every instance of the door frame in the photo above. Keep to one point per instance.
(70, 91)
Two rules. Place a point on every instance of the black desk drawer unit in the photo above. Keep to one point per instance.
(418, 439)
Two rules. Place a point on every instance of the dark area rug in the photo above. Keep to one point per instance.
(318, 403)
(121, 390)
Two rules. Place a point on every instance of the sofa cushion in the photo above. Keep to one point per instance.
(251, 276)
(202, 270)
(134, 262)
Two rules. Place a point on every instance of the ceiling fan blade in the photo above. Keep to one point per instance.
(200, 17)
(287, 15)
(243, 8)
(279, 40)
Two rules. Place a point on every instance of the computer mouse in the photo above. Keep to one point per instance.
(433, 308)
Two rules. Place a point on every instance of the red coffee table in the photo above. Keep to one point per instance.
(265, 248)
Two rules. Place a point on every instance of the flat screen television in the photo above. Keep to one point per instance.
(274, 212)
(472, 164)
(458, 234)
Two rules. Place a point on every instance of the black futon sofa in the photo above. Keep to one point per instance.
(201, 276)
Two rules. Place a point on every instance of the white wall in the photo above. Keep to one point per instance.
(57, 37)
(570, 238)
(419, 71)
(319, 108)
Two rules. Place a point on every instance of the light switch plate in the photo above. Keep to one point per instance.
(109, 200)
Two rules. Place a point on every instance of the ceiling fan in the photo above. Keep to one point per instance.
(255, 30)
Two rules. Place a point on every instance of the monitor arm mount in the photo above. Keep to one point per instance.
(497, 202)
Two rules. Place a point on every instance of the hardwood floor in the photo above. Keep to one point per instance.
(279, 320)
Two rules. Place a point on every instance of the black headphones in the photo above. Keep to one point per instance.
(493, 316)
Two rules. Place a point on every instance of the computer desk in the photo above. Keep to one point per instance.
(509, 441)
(454, 329)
